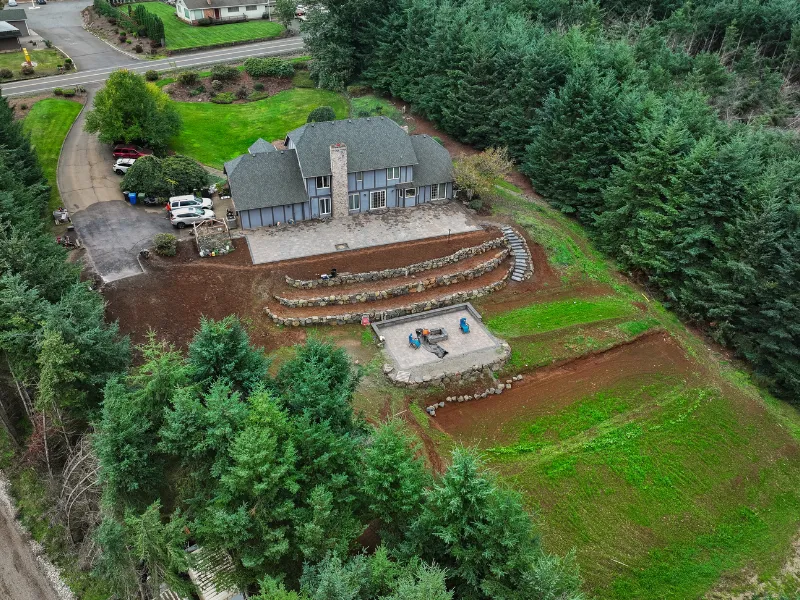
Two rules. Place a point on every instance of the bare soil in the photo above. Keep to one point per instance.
(100, 26)
(485, 420)
(272, 85)
(18, 102)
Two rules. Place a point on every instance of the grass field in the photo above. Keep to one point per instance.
(48, 123)
(214, 133)
(369, 106)
(47, 62)
(180, 35)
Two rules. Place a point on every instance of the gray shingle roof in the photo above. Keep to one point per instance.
(372, 143)
(13, 14)
(435, 164)
(198, 4)
(260, 146)
(265, 179)
(8, 31)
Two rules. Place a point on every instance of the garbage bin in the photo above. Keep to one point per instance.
(132, 197)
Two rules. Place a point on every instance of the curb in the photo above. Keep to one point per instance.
(110, 45)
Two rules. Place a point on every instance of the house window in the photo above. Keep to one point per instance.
(186, 13)
(323, 182)
(438, 190)
(324, 206)
(354, 202)
(410, 193)
(377, 199)
(233, 9)
(393, 173)
(360, 177)
(250, 8)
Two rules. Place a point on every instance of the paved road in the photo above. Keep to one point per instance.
(62, 23)
(94, 76)
(112, 230)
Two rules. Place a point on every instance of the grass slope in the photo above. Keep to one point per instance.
(46, 61)
(214, 133)
(47, 124)
(180, 35)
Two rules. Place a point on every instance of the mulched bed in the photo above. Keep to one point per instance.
(100, 26)
(17, 102)
(272, 86)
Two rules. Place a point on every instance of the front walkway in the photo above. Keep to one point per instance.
(310, 238)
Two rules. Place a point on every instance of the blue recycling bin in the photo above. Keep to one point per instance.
(132, 197)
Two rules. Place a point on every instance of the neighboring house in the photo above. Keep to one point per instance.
(9, 37)
(192, 11)
(334, 169)
(17, 18)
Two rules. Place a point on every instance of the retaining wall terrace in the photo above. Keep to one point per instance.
(426, 265)
(400, 290)
(416, 307)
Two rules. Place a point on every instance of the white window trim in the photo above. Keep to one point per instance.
(407, 195)
(350, 202)
(392, 170)
(233, 9)
(440, 192)
(360, 177)
(321, 212)
(323, 178)
(372, 196)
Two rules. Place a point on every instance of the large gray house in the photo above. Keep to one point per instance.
(335, 169)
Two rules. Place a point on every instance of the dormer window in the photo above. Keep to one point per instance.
(323, 182)
(393, 173)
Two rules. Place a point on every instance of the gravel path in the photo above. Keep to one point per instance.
(25, 573)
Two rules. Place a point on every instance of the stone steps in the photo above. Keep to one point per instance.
(523, 266)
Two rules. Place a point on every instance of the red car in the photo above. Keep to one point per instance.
(127, 151)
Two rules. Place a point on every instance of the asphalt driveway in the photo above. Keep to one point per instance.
(61, 23)
(112, 230)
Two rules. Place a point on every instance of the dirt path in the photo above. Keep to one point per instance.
(21, 577)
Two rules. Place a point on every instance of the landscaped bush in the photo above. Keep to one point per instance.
(268, 67)
(357, 89)
(151, 75)
(241, 93)
(69, 92)
(58, 92)
(200, 89)
(67, 64)
(48, 44)
(258, 86)
(322, 113)
(223, 98)
(165, 244)
(123, 37)
(188, 78)
(27, 70)
(224, 73)
(138, 49)
(204, 22)
(216, 85)
(6, 73)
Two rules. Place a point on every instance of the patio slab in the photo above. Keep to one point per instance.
(312, 238)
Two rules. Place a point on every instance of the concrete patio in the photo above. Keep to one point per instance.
(311, 238)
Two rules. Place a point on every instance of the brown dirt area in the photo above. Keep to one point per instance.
(272, 85)
(18, 102)
(554, 387)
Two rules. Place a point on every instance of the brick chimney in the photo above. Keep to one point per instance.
(339, 204)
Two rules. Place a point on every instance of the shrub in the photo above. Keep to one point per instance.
(27, 70)
(165, 244)
(216, 85)
(204, 22)
(188, 78)
(58, 92)
(241, 93)
(438, 140)
(23, 106)
(224, 73)
(6, 73)
(223, 98)
(321, 113)
(258, 86)
(69, 92)
(151, 75)
(268, 67)
(112, 21)
(128, 41)
(476, 204)
(200, 89)
(48, 44)
(138, 49)
(357, 89)
(123, 38)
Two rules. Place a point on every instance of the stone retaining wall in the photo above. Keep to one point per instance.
(455, 377)
(417, 307)
(426, 265)
(400, 290)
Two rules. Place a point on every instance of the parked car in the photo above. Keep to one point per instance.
(300, 10)
(128, 151)
(12, 3)
(41, 1)
(188, 200)
(189, 216)
(122, 165)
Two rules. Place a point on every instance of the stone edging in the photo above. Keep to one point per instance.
(417, 307)
(447, 378)
(426, 265)
(498, 389)
(401, 290)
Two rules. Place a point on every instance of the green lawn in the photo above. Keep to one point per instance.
(180, 35)
(214, 133)
(538, 318)
(48, 123)
(47, 62)
(369, 106)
